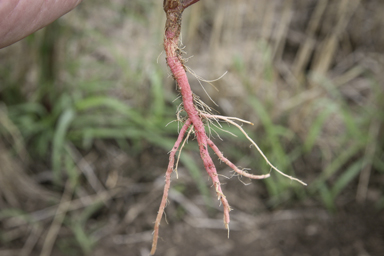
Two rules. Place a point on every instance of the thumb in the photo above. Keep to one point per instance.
(20, 18)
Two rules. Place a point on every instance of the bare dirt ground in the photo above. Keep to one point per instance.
(354, 230)
(297, 228)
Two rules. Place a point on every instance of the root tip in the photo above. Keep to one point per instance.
(227, 227)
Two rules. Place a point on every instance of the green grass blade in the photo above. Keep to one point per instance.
(94, 102)
(316, 128)
(59, 141)
(346, 177)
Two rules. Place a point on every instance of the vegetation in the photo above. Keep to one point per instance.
(87, 106)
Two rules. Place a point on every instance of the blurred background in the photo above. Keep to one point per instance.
(87, 110)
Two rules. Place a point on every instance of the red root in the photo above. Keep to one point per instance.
(168, 184)
(174, 62)
(174, 9)
(234, 167)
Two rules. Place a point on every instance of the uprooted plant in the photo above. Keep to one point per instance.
(198, 115)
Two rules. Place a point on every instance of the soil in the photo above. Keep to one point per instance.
(297, 228)
(304, 231)
(301, 228)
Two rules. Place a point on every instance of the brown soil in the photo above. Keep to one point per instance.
(355, 230)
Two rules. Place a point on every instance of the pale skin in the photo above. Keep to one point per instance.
(20, 18)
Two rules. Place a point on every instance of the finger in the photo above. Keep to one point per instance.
(20, 18)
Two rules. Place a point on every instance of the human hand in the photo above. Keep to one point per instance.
(20, 18)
